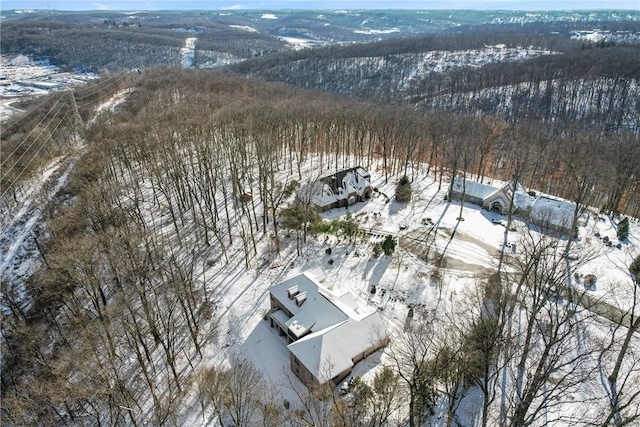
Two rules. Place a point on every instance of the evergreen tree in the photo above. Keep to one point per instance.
(634, 268)
(298, 216)
(403, 190)
(389, 245)
(623, 229)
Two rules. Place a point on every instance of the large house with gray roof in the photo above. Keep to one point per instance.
(326, 329)
(342, 188)
(544, 211)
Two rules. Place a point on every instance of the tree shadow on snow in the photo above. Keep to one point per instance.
(375, 269)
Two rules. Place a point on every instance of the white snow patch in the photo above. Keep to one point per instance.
(598, 35)
(188, 52)
(110, 104)
(244, 28)
(373, 32)
(268, 16)
(297, 43)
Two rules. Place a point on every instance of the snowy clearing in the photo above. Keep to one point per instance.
(372, 31)
(244, 28)
(188, 54)
(298, 43)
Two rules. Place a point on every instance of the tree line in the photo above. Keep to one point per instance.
(567, 84)
(74, 46)
(408, 46)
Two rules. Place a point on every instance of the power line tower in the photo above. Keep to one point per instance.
(79, 124)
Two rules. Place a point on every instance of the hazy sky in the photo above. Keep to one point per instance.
(318, 4)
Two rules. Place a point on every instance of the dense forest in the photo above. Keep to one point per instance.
(555, 79)
(110, 47)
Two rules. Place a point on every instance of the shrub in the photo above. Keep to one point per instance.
(377, 249)
(298, 216)
(291, 187)
(347, 227)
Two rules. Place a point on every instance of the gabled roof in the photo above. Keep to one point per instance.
(329, 352)
(473, 189)
(507, 188)
(521, 199)
(331, 188)
(315, 313)
(553, 212)
(355, 180)
(341, 328)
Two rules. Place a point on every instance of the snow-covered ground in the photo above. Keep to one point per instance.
(244, 28)
(596, 35)
(21, 77)
(19, 227)
(402, 280)
(298, 43)
(206, 59)
(585, 97)
(188, 52)
(443, 61)
(415, 66)
(18, 250)
(372, 31)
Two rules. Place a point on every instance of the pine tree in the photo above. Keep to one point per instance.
(623, 229)
(634, 268)
(403, 190)
(389, 245)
